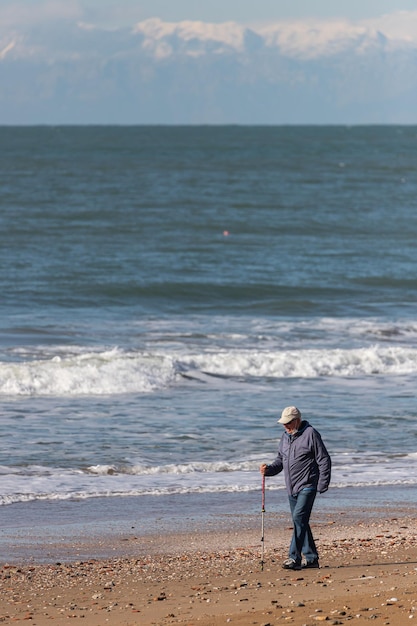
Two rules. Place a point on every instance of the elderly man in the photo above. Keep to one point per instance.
(307, 469)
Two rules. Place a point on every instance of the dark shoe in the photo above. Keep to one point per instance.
(291, 564)
(311, 564)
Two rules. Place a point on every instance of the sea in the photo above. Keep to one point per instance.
(167, 290)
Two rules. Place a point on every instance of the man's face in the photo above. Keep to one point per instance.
(293, 426)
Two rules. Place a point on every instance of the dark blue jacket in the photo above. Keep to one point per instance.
(304, 459)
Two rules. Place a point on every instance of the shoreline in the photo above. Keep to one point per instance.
(100, 528)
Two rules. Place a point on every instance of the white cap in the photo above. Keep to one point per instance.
(289, 413)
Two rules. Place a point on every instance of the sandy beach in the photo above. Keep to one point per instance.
(368, 574)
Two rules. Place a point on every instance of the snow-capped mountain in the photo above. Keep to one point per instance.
(196, 72)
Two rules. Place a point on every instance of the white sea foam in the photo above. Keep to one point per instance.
(308, 363)
(116, 371)
(44, 483)
(102, 373)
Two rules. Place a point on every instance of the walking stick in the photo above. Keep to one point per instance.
(263, 526)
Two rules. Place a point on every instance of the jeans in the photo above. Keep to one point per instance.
(302, 541)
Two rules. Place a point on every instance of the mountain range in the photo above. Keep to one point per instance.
(333, 72)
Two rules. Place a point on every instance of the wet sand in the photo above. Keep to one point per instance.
(368, 574)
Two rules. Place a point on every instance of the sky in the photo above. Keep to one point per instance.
(126, 12)
(249, 11)
(263, 61)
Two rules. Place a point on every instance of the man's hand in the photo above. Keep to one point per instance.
(262, 468)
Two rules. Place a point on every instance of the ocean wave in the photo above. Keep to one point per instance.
(117, 371)
(90, 373)
(375, 360)
(182, 468)
(170, 490)
(105, 481)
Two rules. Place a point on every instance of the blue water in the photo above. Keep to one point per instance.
(166, 291)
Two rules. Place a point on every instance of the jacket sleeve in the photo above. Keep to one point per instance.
(276, 466)
(324, 463)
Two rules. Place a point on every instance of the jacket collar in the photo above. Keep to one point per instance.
(304, 424)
